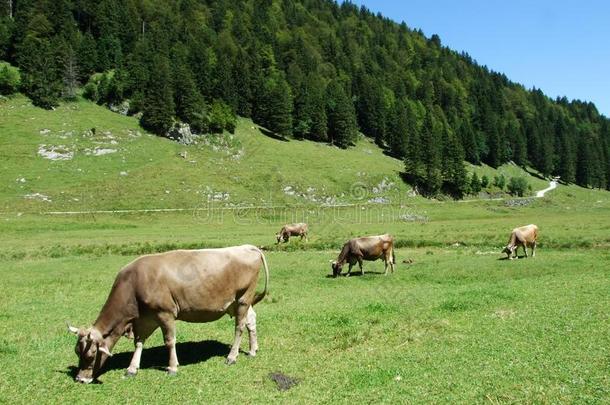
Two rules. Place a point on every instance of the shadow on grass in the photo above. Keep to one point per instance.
(518, 257)
(273, 135)
(358, 274)
(158, 357)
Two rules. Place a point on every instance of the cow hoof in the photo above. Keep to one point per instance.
(252, 354)
(230, 362)
(172, 373)
(130, 374)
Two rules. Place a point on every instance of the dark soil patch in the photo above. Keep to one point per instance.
(283, 381)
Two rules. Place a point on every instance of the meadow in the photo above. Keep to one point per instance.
(455, 323)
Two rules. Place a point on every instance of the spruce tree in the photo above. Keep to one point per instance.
(158, 106)
(475, 184)
(431, 153)
(275, 105)
(40, 74)
(190, 107)
(87, 57)
(342, 127)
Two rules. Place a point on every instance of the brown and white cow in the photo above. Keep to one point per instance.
(289, 230)
(522, 236)
(366, 248)
(156, 290)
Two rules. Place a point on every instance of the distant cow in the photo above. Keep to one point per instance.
(156, 290)
(523, 236)
(289, 230)
(367, 248)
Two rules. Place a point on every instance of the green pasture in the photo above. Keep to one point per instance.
(454, 324)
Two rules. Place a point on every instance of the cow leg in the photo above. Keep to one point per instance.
(251, 325)
(349, 269)
(360, 264)
(240, 322)
(142, 330)
(168, 326)
(525, 249)
(534, 249)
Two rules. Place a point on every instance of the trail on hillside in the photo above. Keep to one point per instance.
(552, 186)
(539, 194)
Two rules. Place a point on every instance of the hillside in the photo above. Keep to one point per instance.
(51, 161)
(311, 69)
(123, 167)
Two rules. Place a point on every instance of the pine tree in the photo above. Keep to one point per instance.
(87, 57)
(475, 184)
(454, 172)
(158, 107)
(275, 105)
(40, 74)
(190, 107)
(342, 127)
(397, 131)
(431, 153)
(70, 73)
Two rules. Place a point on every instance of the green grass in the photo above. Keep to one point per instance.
(453, 326)
(457, 325)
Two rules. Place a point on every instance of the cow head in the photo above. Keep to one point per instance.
(336, 267)
(92, 352)
(509, 250)
(278, 236)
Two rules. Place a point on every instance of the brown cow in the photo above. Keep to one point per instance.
(289, 230)
(523, 236)
(367, 248)
(156, 290)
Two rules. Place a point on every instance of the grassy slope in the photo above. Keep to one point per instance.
(252, 168)
(148, 172)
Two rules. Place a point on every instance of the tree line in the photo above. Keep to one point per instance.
(309, 69)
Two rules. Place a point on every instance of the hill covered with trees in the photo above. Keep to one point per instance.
(310, 69)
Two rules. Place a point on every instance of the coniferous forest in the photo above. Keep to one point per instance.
(308, 69)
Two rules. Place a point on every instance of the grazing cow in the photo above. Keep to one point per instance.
(289, 230)
(367, 248)
(523, 236)
(156, 290)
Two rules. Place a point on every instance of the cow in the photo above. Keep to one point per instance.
(522, 236)
(156, 290)
(366, 248)
(289, 230)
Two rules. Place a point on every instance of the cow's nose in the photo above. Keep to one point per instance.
(83, 380)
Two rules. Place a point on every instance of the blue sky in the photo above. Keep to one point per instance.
(561, 46)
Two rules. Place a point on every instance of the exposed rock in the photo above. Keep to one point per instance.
(97, 151)
(379, 200)
(59, 152)
(518, 202)
(122, 108)
(37, 196)
(181, 133)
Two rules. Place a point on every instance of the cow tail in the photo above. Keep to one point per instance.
(393, 256)
(258, 297)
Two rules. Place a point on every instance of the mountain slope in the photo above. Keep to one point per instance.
(123, 167)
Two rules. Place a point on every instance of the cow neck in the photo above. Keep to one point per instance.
(116, 314)
(343, 255)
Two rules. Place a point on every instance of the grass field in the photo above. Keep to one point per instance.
(456, 325)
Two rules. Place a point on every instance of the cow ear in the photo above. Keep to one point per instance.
(72, 329)
(104, 349)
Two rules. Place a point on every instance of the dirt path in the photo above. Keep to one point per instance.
(539, 194)
(552, 186)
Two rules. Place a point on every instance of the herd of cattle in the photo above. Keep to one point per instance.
(203, 285)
